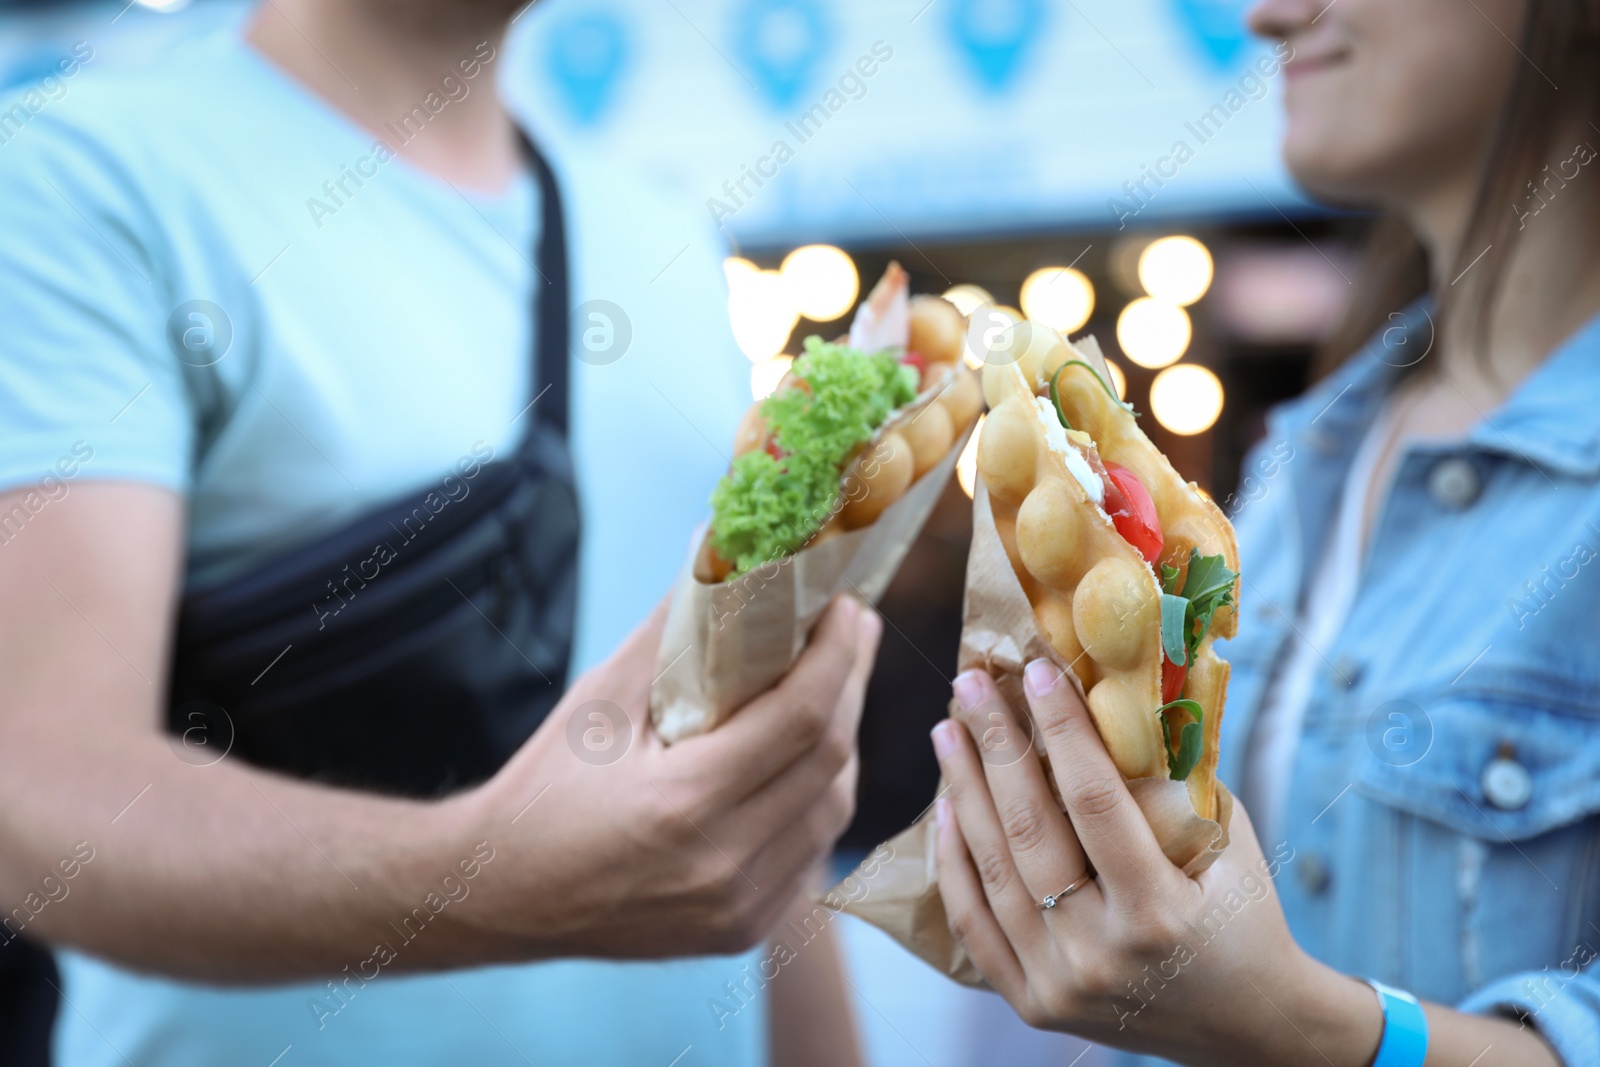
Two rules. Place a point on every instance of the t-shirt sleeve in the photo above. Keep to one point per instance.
(89, 383)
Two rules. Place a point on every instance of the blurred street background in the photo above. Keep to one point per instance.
(1105, 166)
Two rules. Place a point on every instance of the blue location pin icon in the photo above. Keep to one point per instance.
(585, 56)
(780, 42)
(995, 36)
(1217, 28)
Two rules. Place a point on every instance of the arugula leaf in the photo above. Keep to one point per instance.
(1184, 761)
(1169, 579)
(1115, 399)
(1190, 740)
(1191, 706)
(1207, 587)
(1210, 583)
(1055, 393)
(1174, 613)
(1185, 617)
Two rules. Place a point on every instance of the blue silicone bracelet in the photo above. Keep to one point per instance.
(1405, 1028)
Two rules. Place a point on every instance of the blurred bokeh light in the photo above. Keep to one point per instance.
(1175, 270)
(1153, 333)
(967, 462)
(985, 326)
(766, 374)
(1119, 380)
(1059, 297)
(1186, 399)
(822, 281)
(760, 309)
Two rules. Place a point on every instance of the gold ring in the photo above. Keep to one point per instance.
(1055, 898)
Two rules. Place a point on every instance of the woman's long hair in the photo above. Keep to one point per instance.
(1557, 77)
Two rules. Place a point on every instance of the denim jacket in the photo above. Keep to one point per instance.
(1444, 812)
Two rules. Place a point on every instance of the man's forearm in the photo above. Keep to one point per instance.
(227, 873)
(219, 871)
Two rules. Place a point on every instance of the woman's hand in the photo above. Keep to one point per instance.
(1141, 957)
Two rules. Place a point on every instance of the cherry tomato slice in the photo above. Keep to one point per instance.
(1133, 512)
(1115, 503)
(1172, 677)
(917, 360)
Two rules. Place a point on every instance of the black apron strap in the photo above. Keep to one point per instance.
(550, 288)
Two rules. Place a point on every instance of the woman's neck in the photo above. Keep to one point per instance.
(1551, 284)
(379, 67)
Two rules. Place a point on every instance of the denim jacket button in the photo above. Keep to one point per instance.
(1313, 873)
(1453, 483)
(1345, 672)
(1507, 784)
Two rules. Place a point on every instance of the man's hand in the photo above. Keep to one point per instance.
(659, 851)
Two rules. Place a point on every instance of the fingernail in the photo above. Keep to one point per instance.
(850, 609)
(968, 687)
(941, 813)
(1041, 678)
(944, 741)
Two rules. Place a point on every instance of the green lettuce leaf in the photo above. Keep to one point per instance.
(766, 508)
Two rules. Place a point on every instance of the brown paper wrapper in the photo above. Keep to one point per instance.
(1000, 634)
(726, 643)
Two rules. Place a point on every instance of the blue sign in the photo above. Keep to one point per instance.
(780, 43)
(995, 37)
(1217, 26)
(585, 56)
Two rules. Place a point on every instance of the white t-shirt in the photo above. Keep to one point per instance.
(1269, 760)
(370, 348)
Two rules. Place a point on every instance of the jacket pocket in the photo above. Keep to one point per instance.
(1477, 851)
(1514, 756)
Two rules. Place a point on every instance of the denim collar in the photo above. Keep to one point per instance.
(1551, 420)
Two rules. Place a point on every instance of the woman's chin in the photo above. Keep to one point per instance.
(1327, 173)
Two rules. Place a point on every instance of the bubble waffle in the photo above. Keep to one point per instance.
(1096, 596)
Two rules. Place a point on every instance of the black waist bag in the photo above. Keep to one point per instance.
(414, 650)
